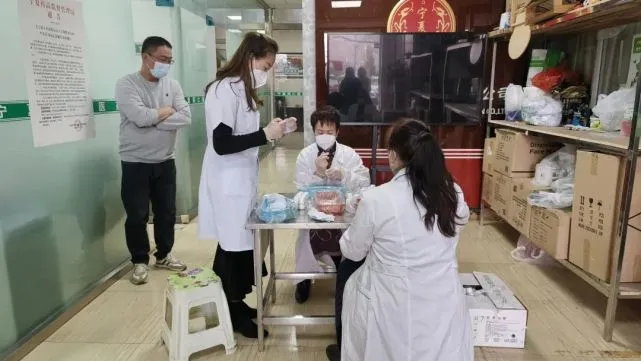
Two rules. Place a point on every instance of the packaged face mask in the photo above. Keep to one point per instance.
(290, 125)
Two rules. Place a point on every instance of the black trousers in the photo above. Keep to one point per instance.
(236, 272)
(345, 270)
(143, 183)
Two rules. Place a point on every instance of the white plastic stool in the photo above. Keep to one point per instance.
(184, 291)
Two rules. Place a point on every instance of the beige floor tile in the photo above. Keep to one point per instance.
(116, 317)
(50, 351)
(158, 352)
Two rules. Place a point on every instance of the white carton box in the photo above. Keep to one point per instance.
(498, 318)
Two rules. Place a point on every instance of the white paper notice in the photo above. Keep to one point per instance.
(60, 106)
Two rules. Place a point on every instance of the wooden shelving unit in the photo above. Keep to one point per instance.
(603, 15)
(598, 16)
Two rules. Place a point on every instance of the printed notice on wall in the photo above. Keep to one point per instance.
(60, 105)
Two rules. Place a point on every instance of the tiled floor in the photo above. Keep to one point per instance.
(565, 315)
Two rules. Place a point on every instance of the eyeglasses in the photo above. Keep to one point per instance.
(163, 60)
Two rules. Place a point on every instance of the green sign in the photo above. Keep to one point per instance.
(636, 46)
(19, 110)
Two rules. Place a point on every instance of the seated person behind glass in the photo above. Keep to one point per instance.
(324, 162)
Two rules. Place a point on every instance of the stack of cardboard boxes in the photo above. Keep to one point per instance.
(583, 235)
(509, 162)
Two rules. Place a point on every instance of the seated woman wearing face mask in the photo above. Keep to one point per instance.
(326, 160)
(406, 302)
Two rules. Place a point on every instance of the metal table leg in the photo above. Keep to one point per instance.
(258, 278)
(272, 265)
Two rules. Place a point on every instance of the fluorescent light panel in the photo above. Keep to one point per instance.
(235, 17)
(234, 31)
(346, 3)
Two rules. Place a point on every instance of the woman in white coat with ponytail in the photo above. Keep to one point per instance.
(406, 303)
(229, 178)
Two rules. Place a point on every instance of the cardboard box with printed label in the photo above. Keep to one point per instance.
(498, 318)
(598, 193)
(550, 230)
(502, 194)
(516, 154)
(488, 189)
(519, 210)
(488, 154)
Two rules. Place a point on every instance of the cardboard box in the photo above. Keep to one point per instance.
(517, 154)
(502, 194)
(498, 318)
(540, 10)
(488, 189)
(488, 154)
(519, 210)
(550, 230)
(595, 212)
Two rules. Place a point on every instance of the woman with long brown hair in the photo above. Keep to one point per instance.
(229, 178)
(406, 302)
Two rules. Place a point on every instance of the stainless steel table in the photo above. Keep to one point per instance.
(263, 238)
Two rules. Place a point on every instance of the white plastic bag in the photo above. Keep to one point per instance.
(611, 108)
(528, 252)
(539, 108)
(559, 164)
(552, 200)
(513, 102)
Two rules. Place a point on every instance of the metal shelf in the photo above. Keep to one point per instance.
(602, 15)
(599, 16)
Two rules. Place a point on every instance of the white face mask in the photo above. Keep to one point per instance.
(160, 70)
(260, 77)
(325, 141)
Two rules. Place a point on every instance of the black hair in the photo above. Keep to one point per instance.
(254, 45)
(432, 184)
(152, 43)
(325, 115)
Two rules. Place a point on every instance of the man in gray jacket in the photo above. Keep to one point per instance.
(152, 108)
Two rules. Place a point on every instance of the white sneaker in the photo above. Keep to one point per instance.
(171, 264)
(140, 274)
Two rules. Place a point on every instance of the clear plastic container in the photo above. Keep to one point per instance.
(330, 202)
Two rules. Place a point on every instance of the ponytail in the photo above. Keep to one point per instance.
(432, 184)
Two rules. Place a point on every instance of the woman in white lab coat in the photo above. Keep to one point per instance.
(406, 302)
(229, 178)
(324, 161)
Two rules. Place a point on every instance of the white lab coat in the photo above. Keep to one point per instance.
(355, 177)
(406, 303)
(228, 183)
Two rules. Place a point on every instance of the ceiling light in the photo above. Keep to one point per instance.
(346, 3)
(234, 31)
(260, 31)
(235, 17)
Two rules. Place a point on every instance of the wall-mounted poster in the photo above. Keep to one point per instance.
(60, 104)
(289, 66)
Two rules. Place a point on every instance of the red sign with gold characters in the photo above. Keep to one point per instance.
(422, 16)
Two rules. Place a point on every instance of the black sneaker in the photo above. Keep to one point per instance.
(333, 352)
(302, 291)
(251, 312)
(246, 327)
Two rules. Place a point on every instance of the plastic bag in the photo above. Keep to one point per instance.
(276, 208)
(611, 108)
(550, 79)
(559, 164)
(528, 252)
(552, 200)
(539, 108)
(513, 102)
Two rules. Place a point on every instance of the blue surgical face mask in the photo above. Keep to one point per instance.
(160, 70)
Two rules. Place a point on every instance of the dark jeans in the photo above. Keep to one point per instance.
(345, 270)
(143, 183)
